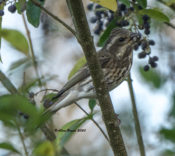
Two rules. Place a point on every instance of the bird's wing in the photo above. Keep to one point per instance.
(79, 76)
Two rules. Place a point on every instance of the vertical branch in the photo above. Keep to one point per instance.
(110, 119)
(32, 50)
(136, 118)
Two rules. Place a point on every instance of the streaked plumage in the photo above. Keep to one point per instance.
(115, 59)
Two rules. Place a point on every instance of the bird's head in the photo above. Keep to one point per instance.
(121, 40)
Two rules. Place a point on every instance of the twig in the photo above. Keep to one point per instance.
(32, 50)
(45, 90)
(93, 121)
(55, 17)
(136, 118)
(22, 138)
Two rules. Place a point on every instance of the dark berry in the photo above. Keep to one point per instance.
(142, 55)
(12, 8)
(136, 47)
(155, 58)
(147, 31)
(98, 14)
(144, 45)
(151, 42)
(26, 116)
(124, 23)
(31, 95)
(146, 68)
(122, 7)
(153, 65)
(145, 18)
(150, 61)
(1, 12)
(146, 25)
(131, 9)
(90, 6)
(93, 20)
(140, 7)
(98, 6)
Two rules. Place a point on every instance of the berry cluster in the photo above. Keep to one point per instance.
(126, 17)
(146, 51)
(11, 7)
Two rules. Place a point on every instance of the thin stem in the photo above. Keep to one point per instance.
(136, 118)
(55, 17)
(22, 138)
(32, 50)
(93, 122)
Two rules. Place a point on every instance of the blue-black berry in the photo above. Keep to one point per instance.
(153, 64)
(147, 31)
(151, 42)
(144, 45)
(155, 58)
(145, 18)
(146, 68)
(142, 55)
(122, 7)
(90, 6)
(93, 20)
(12, 8)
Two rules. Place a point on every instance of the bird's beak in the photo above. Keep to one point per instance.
(135, 36)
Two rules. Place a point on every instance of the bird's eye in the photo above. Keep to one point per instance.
(121, 39)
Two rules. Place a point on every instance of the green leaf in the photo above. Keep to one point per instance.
(9, 147)
(168, 134)
(11, 105)
(172, 112)
(16, 40)
(153, 77)
(155, 14)
(21, 6)
(80, 63)
(143, 3)
(33, 12)
(20, 63)
(46, 148)
(92, 103)
(106, 33)
(126, 2)
(66, 132)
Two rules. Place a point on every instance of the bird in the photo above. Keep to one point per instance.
(115, 58)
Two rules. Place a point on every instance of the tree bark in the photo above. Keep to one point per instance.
(86, 40)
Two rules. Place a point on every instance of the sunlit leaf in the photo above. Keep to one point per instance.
(16, 39)
(110, 4)
(46, 148)
(9, 147)
(33, 12)
(92, 103)
(80, 63)
(153, 77)
(155, 14)
(66, 132)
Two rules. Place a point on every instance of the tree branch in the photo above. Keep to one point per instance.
(108, 114)
(136, 118)
(55, 17)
